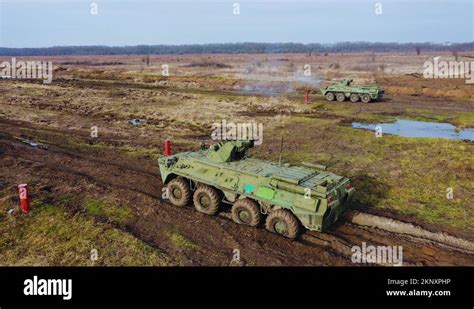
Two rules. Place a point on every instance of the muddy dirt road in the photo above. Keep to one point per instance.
(134, 181)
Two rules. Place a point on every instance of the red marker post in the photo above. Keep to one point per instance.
(167, 148)
(24, 198)
(306, 97)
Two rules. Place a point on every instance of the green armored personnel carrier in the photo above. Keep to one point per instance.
(344, 90)
(283, 196)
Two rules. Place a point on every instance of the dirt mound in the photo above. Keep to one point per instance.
(208, 64)
(399, 227)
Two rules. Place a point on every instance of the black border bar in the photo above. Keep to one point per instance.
(239, 285)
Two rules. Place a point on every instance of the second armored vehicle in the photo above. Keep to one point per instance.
(344, 90)
(283, 196)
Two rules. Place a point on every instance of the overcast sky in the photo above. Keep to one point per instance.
(43, 23)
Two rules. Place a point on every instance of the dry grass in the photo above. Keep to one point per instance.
(49, 236)
(391, 172)
(407, 176)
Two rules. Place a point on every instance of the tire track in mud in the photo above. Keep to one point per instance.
(333, 248)
(353, 216)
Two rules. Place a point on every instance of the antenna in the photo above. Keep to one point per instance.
(281, 150)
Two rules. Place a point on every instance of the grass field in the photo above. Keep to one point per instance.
(404, 178)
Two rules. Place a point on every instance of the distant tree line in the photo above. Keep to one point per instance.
(238, 48)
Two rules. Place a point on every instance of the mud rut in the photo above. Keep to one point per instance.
(136, 183)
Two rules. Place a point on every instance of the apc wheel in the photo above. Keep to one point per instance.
(179, 193)
(340, 97)
(355, 98)
(206, 200)
(365, 98)
(283, 222)
(330, 96)
(246, 211)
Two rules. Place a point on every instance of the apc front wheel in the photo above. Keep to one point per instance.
(245, 211)
(179, 193)
(283, 222)
(366, 98)
(206, 200)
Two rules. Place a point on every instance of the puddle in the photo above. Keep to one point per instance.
(413, 128)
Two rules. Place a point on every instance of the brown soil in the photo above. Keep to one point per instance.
(120, 166)
(136, 182)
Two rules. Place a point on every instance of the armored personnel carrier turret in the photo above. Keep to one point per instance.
(283, 196)
(344, 90)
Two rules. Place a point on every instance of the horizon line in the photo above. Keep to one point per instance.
(447, 43)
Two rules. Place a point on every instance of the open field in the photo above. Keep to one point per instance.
(104, 193)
